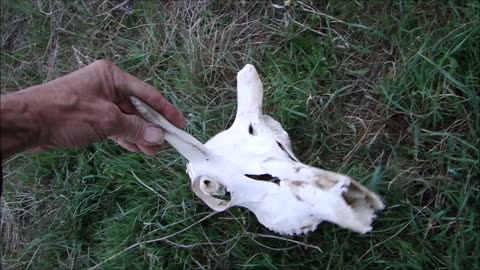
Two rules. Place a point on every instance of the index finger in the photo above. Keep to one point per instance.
(133, 86)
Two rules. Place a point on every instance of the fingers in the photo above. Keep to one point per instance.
(150, 150)
(136, 135)
(135, 87)
(126, 144)
(126, 106)
(36, 150)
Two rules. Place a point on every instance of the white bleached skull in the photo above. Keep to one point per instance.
(254, 162)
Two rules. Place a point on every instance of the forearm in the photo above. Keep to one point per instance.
(83, 107)
(20, 127)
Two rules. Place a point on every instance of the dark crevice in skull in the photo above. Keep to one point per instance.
(250, 129)
(348, 198)
(226, 197)
(283, 149)
(264, 177)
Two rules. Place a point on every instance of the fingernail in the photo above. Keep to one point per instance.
(153, 135)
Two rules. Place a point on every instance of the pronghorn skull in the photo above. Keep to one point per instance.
(254, 162)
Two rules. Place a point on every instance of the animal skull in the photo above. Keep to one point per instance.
(254, 162)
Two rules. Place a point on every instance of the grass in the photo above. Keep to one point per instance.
(384, 91)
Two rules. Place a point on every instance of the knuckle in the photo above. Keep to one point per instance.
(106, 68)
(111, 119)
(138, 128)
(103, 64)
(109, 74)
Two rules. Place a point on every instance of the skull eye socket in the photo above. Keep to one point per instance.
(215, 189)
(225, 196)
(212, 187)
(212, 192)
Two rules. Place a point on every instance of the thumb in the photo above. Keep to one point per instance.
(137, 130)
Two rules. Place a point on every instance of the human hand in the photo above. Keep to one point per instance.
(92, 104)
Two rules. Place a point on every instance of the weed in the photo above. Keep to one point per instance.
(384, 91)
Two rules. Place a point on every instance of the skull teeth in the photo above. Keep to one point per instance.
(295, 232)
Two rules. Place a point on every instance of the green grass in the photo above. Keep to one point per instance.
(384, 91)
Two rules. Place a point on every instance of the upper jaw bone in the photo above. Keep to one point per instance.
(254, 163)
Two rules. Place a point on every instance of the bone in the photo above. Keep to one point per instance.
(249, 94)
(253, 161)
(186, 144)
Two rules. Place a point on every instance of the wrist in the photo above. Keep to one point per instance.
(20, 123)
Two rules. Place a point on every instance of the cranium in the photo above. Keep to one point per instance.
(254, 162)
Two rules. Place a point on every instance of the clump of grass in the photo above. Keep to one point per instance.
(386, 92)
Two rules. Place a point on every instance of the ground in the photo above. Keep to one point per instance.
(384, 91)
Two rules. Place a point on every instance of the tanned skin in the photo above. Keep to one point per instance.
(84, 107)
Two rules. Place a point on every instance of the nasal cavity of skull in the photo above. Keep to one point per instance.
(264, 177)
